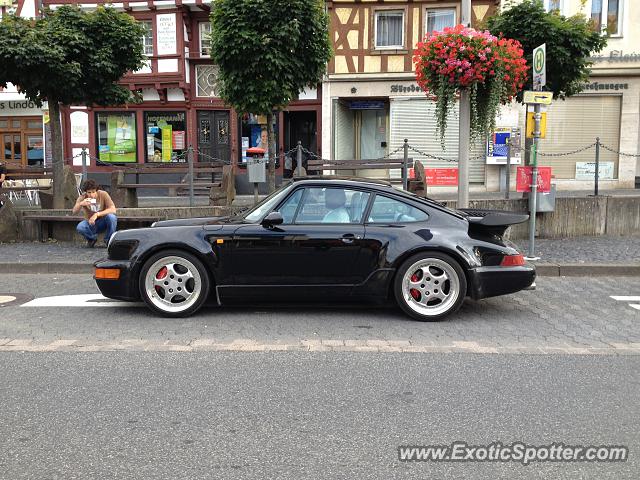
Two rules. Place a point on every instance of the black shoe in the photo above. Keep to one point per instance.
(91, 243)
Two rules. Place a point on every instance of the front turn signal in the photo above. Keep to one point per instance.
(512, 260)
(107, 273)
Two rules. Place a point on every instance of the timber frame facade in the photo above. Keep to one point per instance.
(180, 106)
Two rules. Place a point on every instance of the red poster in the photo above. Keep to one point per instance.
(441, 177)
(524, 179)
(178, 140)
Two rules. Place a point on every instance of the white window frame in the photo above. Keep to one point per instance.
(201, 30)
(439, 9)
(547, 6)
(145, 45)
(603, 17)
(375, 31)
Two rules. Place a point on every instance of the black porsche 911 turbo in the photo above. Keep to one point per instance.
(320, 239)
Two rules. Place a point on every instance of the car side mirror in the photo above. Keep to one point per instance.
(274, 218)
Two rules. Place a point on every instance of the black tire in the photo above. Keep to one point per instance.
(194, 291)
(418, 308)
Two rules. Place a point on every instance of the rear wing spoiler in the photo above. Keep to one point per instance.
(493, 218)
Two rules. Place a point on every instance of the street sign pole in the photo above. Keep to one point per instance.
(539, 81)
(464, 127)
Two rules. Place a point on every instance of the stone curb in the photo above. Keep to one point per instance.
(543, 269)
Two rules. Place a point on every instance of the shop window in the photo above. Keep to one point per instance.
(253, 133)
(147, 38)
(607, 16)
(166, 136)
(35, 150)
(205, 40)
(389, 29)
(553, 5)
(117, 141)
(440, 18)
(207, 80)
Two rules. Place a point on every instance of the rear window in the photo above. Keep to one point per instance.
(389, 210)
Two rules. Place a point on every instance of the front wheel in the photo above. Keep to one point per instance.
(174, 283)
(429, 286)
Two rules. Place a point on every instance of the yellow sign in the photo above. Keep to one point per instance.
(531, 121)
(542, 98)
(167, 142)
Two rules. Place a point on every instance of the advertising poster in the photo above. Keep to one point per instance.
(120, 146)
(524, 178)
(441, 177)
(587, 170)
(166, 31)
(167, 142)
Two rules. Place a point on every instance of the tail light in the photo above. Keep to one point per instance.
(512, 260)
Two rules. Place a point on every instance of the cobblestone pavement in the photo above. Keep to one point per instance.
(563, 316)
(603, 249)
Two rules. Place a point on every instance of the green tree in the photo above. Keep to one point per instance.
(570, 42)
(267, 52)
(70, 57)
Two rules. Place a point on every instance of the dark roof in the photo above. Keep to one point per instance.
(333, 178)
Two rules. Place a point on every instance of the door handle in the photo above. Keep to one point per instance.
(348, 238)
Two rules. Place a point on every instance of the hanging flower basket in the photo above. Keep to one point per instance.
(492, 69)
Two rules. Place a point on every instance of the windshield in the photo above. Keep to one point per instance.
(260, 210)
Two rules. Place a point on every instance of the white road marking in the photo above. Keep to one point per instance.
(84, 300)
(6, 299)
(631, 298)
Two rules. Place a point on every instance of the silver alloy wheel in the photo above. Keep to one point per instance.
(173, 284)
(430, 287)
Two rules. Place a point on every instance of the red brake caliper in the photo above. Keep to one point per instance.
(162, 273)
(415, 293)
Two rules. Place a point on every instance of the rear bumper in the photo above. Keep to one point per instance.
(493, 281)
(125, 288)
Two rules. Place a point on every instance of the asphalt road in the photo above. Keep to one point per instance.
(295, 415)
(134, 410)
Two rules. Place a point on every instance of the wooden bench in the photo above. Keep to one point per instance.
(340, 166)
(48, 221)
(211, 179)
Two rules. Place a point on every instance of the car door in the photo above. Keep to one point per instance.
(314, 251)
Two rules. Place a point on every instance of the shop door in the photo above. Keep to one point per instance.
(373, 134)
(213, 136)
(299, 127)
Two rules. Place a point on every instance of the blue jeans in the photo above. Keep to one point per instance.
(106, 224)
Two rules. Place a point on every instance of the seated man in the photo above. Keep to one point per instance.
(99, 212)
(334, 200)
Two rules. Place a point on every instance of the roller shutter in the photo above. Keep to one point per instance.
(415, 120)
(575, 123)
(343, 132)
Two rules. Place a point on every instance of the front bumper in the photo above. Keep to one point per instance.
(493, 281)
(124, 288)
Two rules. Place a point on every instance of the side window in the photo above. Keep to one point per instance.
(388, 210)
(289, 207)
(332, 205)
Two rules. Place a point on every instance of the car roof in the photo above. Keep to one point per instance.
(379, 185)
(342, 180)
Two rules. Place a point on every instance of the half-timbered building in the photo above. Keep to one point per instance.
(180, 103)
(371, 101)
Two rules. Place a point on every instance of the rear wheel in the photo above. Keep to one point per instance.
(174, 283)
(429, 286)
